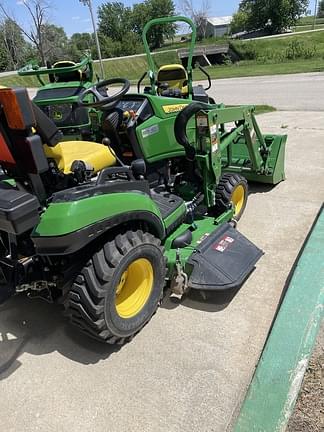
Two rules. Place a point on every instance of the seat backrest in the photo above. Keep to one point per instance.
(46, 128)
(69, 76)
(175, 75)
(21, 150)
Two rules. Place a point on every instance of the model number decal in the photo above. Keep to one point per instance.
(150, 131)
(169, 109)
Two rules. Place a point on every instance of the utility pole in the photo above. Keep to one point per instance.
(315, 15)
(89, 4)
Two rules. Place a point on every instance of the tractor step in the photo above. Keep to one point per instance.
(223, 260)
(166, 201)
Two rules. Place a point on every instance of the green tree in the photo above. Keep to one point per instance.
(320, 10)
(80, 44)
(3, 59)
(114, 20)
(274, 15)
(55, 42)
(240, 21)
(161, 8)
(149, 9)
(82, 41)
(109, 47)
(37, 12)
(125, 25)
(15, 48)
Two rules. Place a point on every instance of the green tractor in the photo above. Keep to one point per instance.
(105, 228)
(58, 97)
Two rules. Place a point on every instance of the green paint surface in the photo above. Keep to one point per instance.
(9, 181)
(66, 217)
(272, 394)
(156, 135)
(200, 230)
(175, 215)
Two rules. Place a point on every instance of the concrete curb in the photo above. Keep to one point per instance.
(272, 394)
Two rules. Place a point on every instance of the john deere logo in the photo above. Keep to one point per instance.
(57, 115)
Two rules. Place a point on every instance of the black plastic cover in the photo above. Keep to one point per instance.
(46, 128)
(223, 260)
(166, 201)
(39, 163)
(199, 94)
(18, 210)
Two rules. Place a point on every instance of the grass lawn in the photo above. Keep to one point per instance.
(16, 80)
(307, 27)
(310, 46)
(131, 68)
(284, 55)
(250, 68)
(242, 69)
(263, 109)
(309, 21)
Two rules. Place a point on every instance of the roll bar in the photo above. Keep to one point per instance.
(151, 64)
(30, 69)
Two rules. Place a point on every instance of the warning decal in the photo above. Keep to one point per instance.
(223, 244)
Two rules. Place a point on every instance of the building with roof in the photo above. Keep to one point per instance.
(218, 26)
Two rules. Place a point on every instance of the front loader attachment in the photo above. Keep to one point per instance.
(259, 158)
(243, 148)
(273, 168)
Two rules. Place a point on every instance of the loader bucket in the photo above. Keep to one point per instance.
(262, 166)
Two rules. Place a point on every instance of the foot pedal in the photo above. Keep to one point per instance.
(223, 260)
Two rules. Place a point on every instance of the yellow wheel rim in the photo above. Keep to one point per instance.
(134, 288)
(238, 198)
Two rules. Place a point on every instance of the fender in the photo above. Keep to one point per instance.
(66, 227)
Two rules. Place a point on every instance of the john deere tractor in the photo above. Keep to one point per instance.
(105, 228)
(58, 96)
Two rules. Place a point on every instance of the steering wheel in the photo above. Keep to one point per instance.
(101, 99)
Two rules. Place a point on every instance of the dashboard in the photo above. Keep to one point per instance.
(130, 104)
(136, 109)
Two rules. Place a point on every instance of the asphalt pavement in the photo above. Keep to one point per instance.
(189, 368)
(296, 92)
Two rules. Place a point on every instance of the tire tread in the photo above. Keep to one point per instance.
(85, 302)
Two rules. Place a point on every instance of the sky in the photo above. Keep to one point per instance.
(75, 17)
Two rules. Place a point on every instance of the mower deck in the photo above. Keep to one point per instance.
(223, 260)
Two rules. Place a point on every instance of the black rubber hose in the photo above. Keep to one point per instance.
(180, 125)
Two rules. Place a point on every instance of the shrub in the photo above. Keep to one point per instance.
(298, 49)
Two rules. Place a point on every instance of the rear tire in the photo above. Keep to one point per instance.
(119, 289)
(231, 189)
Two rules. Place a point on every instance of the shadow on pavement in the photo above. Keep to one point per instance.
(256, 188)
(206, 301)
(37, 328)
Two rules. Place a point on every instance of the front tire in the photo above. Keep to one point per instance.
(119, 289)
(232, 189)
